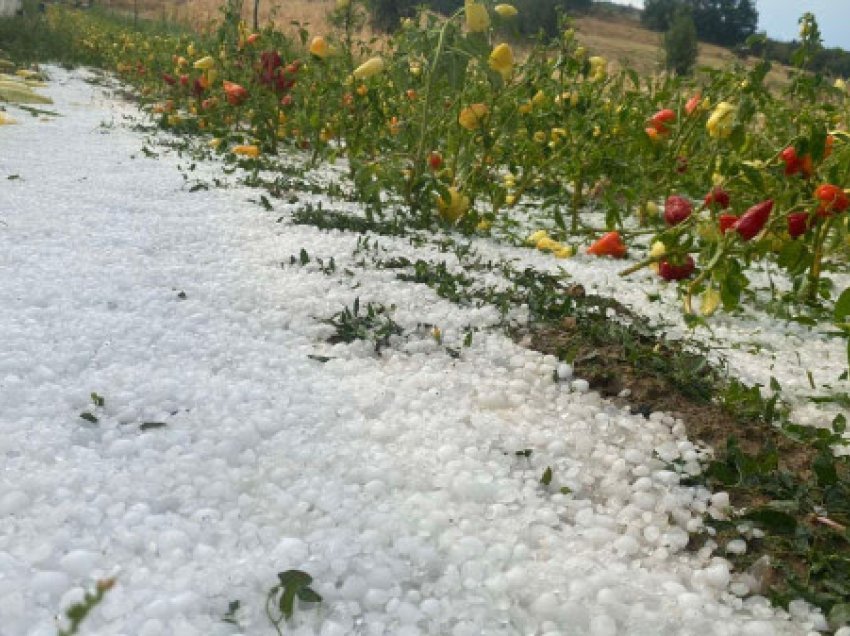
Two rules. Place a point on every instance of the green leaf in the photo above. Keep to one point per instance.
(467, 339)
(730, 293)
(287, 602)
(773, 520)
(824, 468)
(294, 579)
(88, 417)
(97, 400)
(723, 472)
(839, 615)
(559, 219)
(792, 256)
(547, 476)
(308, 595)
(146, 426)
(842, 306)
(754, 176)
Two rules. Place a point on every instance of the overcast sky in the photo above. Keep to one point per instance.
(779, 18)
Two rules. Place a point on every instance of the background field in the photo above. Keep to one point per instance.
(613, 33)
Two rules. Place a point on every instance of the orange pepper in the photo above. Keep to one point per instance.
(611, 244)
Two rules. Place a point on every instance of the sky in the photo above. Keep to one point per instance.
(779, 18)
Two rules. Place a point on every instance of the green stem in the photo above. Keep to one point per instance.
(721, 252)
(576, 201)
(426, 102)
(813, 277)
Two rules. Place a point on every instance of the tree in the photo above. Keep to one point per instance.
(724, 22)
(658, 14)
(537, 15)
(680, 43)
(386, 15)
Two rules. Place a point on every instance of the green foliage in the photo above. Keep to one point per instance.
(375, 324)
(78, 612)
(680, 44)
(804, 515)
(658, 14)
(280, 601)
(544, 15)
(386, 15)
(724, 22)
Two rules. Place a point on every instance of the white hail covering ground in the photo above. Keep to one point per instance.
(392, 479)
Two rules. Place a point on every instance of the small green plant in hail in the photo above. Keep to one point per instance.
(78, 612)
(280, 602)
(352, 324)
(98, 402)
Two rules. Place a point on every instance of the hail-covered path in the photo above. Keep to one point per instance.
(393, 479)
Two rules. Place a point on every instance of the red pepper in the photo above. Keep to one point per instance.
(169, 79)
(660, 119)
(677, 209)
(798, 223)
(727, 222)
(652, 133)
(832, 199)
(795, 164)
(669, 271)
(199, 86)
(719, 196)
(609, 244)
(807, 167)
(754, 219)
(235, 93)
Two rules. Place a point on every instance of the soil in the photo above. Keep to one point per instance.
(611, 369)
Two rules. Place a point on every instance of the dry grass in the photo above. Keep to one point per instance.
(200, 14)
(620, 38)
(625, 41)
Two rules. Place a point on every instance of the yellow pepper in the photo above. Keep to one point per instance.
(319, 47)
(477, 18)
(502, 60)
(720, 122)
(205, 63)
(247, 151)
(369, 68)
(505, 10)
(709, 301)
(455, 207)
(473, 116)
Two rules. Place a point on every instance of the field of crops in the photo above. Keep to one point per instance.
(615, 222)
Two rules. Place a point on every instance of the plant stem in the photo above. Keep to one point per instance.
(576, 201)
(426, 103)
(817, 262)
